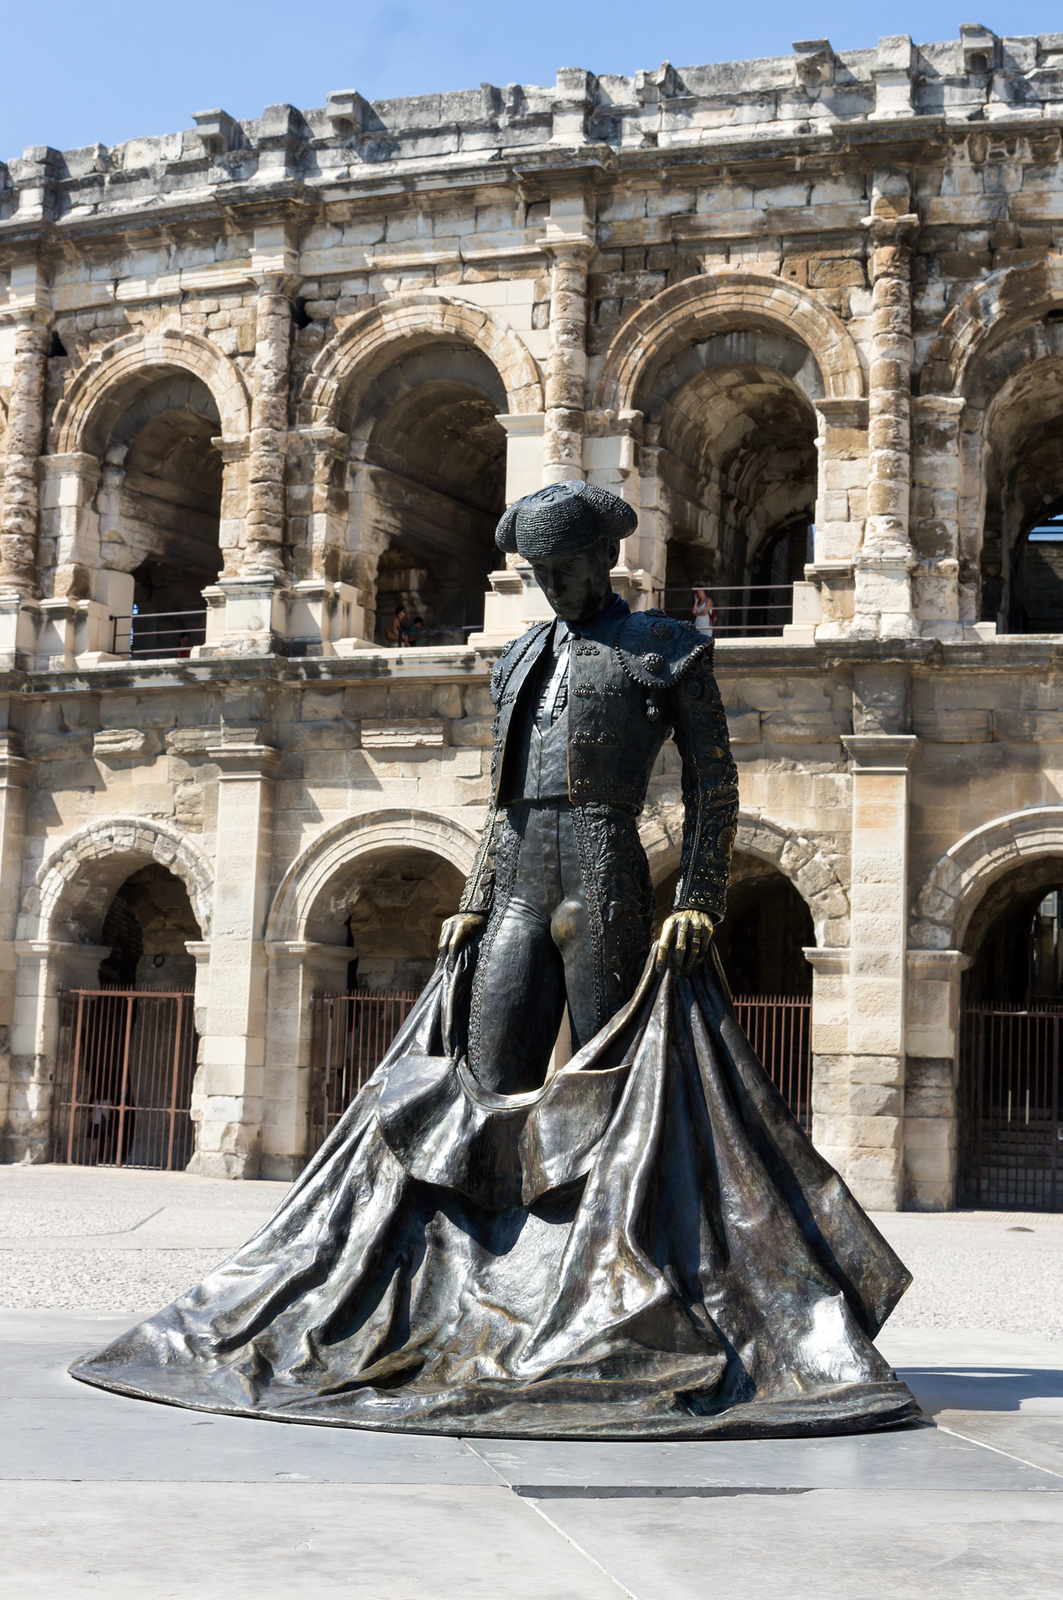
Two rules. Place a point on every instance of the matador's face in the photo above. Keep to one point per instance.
(578, 586)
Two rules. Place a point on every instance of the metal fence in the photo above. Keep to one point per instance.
(352, 1032)
(124, 1072)
(1012, 1137)
(350, 1035)
(779, 1027)
(159, 635)
(743, 611)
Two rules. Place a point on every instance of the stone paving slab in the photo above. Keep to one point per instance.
(256, 1541)
(922, 1458)
(55, 1428)
(101, 1495)
(824, 1545)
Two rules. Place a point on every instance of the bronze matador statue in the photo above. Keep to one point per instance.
(640, 1243)
(583, 707)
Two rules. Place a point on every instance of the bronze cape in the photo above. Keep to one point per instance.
(647, 1247)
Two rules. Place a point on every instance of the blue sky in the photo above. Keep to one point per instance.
(75, 73)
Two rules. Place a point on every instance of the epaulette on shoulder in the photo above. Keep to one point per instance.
(656, 649)
(511, 654)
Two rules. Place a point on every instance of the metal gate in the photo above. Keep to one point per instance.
(1012, 1137)
(779, 1027)
(350, 1035)
(123, 1087)
(352, 1032)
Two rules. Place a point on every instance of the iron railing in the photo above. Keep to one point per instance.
(1012, 1136)
(352, 1032)
(779, 1027)
(743, 611)
(124, 1072)
(140, 635)
(350, 1035)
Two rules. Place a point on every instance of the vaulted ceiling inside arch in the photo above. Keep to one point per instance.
(734, 422)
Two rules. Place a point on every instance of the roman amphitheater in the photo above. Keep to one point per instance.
(263, 381)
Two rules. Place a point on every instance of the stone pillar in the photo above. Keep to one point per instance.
(264, 535)
(43, 967)
(234, 458)
(248, 611)
(931, 1112)
(830, 1043)
(566, 368)
(14, 777)
(298, 968)
(25, 436)
(871, 1128)
(883, 604)
(228, 1094)
(823, 605)
(945, 603)
(318, 505)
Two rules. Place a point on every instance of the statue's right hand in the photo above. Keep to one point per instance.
(457, 931)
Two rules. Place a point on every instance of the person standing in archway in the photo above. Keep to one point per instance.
(396, 629)
(704, 613)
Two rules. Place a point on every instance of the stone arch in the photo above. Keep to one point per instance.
(356, 837)
(371, 341)
(798, 858)
(955, 885)
(1005, 302)
(75, 885)
(700, 307)
(100, 389)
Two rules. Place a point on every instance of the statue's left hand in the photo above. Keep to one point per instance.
(688, 935)
(457, 931)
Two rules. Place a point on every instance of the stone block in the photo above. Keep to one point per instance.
(424, 734)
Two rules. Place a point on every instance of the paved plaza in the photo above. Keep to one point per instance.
(103, 1495)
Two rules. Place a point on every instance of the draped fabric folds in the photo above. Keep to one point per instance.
(647, 1247)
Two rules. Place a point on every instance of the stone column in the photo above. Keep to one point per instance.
(931, 1113)
(566, 368)
(43, 968)
(14, 777)
(25, 435)
(823, 604)
(298, 969)
(269, 425)
(870, 1128)
(944, 603)
(228, 1094)
(883, 588)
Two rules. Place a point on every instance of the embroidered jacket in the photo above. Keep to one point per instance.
(634, 677)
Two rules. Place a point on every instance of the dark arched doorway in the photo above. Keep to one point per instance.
(128, 1047)
(388, 909)
(1012, 1042)
(159, 505)
(761, 944)
(430, 489)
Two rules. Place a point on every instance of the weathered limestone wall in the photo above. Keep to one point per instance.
(805, 314)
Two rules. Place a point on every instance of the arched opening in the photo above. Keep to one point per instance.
(1010, 1077)
(127, 1045)
(1021, 560)
(767, 928)
(387, 908)
(434, 475)
(734, 429)
(159, 504)
(761, 944)
(147, 929)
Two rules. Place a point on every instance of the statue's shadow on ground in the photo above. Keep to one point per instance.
(985, 1388)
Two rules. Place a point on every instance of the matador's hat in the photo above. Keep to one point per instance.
(563, 518)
